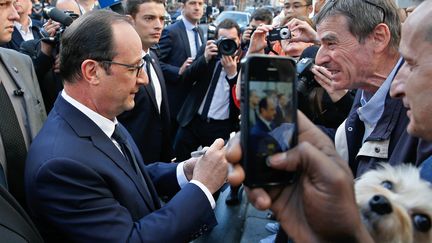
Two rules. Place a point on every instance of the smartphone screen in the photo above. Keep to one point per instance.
(269, 116)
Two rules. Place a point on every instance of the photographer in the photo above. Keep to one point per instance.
(209, 111)
(259, 16)
(285, 47)
(44, 52)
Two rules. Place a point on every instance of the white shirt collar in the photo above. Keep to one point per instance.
(105, 124)
(188, 25)
(19, 26)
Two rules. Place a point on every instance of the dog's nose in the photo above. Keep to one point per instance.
(380, 205)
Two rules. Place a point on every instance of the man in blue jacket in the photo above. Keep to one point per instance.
(85, 178)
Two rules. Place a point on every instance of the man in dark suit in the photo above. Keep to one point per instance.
(15, 224)
(179, 46)
(209, 111)
(267, 112)
(85, 178)
(149, 121)
(25, 28)
(22, 115)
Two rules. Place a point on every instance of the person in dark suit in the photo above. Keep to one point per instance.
(15, 224)
(267, 113)
(22, 107)
(209, 111)
(85, 178)
(149, 121)
(25, 28)
(179, 46)
(19, 92)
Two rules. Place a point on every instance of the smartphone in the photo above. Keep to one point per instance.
(269, 116)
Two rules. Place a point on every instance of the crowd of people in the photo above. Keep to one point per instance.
(101, 113)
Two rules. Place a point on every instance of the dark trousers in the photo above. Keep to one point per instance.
(200, 132)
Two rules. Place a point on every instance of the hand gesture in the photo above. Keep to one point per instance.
(320, 206)
(230, 65)
(212, 168)
(323, 77)
(210, 51)
(306, 32)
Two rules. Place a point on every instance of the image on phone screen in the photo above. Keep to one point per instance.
(270, 125)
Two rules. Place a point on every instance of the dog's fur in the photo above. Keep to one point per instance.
(410, 196)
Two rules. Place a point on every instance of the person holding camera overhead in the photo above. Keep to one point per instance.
(209, 111)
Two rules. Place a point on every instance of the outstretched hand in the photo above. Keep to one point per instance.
(320, 206)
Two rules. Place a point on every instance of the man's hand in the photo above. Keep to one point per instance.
(323, 77)
(188, 167)
(56, 66)
(258, 40)
(307, 33)
(230, 65)
(246, 36)
(210, 51)
(320, 206)
(186, 64)
(212, 168)
(50, 29)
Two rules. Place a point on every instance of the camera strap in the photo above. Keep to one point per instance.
(270, 48)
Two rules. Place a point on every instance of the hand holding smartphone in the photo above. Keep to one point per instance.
(269, 116)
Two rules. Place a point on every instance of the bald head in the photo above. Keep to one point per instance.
(68, 5)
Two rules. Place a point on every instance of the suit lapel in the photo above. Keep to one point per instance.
(201, 35)
(159, 73)
(16, 37)
(84, 127)
(149, 87)
(184, 38)
(15, 74)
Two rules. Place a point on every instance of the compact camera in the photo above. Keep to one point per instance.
(226, 47)
(281, 33)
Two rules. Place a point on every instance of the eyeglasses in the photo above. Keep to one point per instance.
(138, 67)
(379, 7)
(295, 6)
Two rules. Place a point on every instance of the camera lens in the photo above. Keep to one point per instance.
(285, 33)
(226, 47)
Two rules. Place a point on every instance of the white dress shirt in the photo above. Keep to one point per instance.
(191, 36)
(26, 33)
(156, 84)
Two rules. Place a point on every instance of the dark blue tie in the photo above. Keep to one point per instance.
(127, 151)
(211, 91)
(147, 59)
(197, 43)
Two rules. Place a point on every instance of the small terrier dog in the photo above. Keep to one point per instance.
(395, 204)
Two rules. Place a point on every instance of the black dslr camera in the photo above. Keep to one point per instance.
(281, 33)
(226, 47)
(305, 78)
